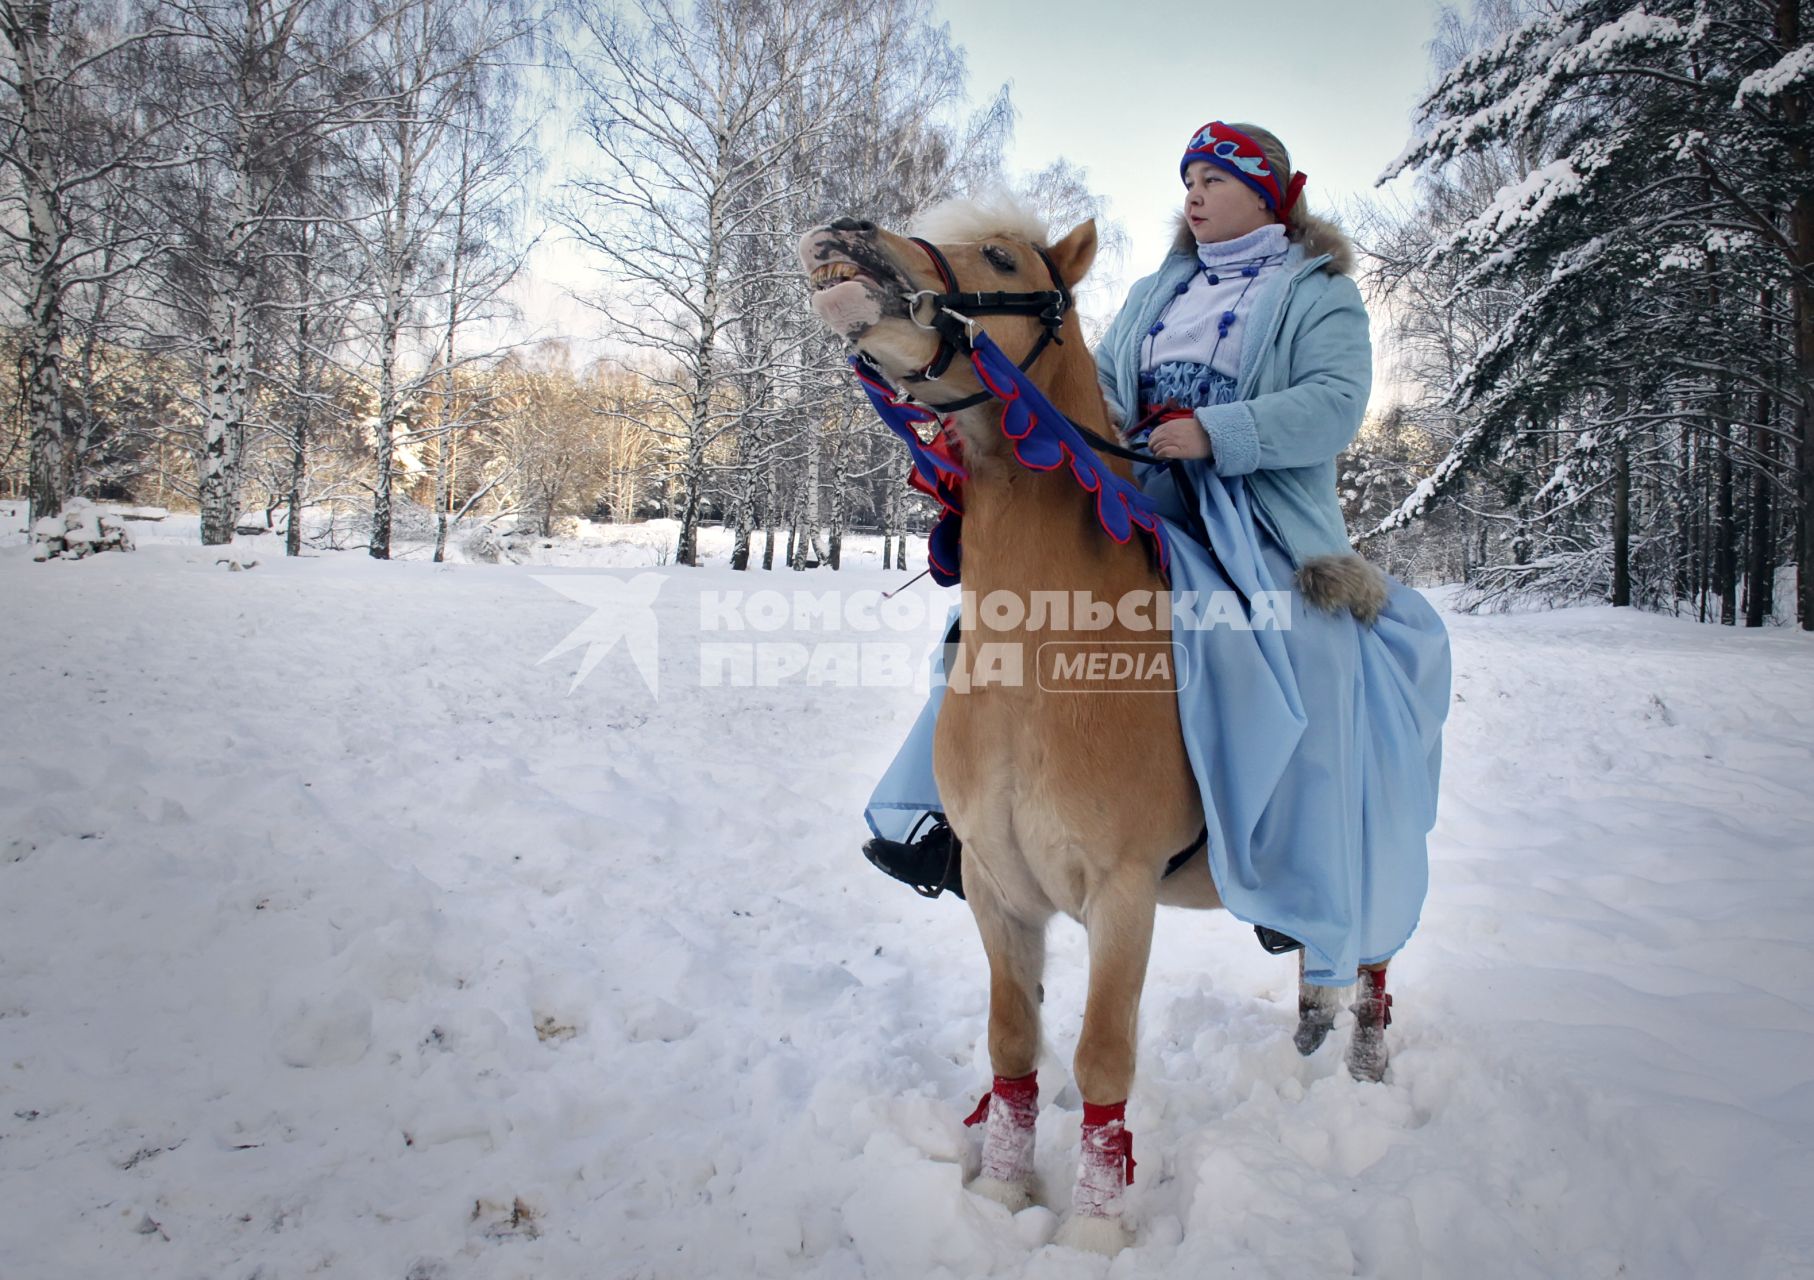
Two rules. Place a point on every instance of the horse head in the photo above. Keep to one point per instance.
(892, 298)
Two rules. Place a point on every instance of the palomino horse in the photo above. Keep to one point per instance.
(1069, 801)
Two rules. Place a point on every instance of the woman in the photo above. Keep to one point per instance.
(1244, 362)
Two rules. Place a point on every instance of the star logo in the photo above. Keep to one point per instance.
(621, 610)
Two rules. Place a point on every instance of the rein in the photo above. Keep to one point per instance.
(1043, 439)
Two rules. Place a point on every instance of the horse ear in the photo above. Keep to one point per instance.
(1074, 254)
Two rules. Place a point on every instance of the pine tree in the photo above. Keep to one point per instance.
(1648, 248)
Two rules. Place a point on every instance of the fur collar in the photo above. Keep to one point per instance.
(1320, 236)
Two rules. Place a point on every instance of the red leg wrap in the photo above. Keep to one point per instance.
(1012, 1111)
(1376, 990)
(1018, 1094)
(1105, 1129)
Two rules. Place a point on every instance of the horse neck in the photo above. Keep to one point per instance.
(1026, 529)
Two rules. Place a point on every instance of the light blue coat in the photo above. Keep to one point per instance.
(1306, 371)
(1317, 747)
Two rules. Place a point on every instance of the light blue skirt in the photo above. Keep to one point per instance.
(1317, 745)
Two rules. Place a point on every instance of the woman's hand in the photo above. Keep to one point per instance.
(1179, 437)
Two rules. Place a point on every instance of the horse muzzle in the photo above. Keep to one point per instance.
(855, 283)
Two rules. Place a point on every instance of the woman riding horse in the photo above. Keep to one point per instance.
(1301, 748)
(1245, 361)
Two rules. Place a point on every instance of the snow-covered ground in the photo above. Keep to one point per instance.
(341, 935)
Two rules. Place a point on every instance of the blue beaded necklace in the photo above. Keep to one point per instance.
(1250, 268)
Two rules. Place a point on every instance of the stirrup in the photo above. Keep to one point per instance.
(930, 864)
(1276, 943)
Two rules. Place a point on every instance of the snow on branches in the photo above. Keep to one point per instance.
(1507, 88)
(1793, 69)
(1529, 202)
(1618, 202)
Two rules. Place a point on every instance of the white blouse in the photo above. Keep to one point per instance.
(1190, 324)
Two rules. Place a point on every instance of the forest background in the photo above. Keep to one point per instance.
(266, 260)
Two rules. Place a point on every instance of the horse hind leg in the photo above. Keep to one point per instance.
(1016, 948)
(1317, 1007)
(1367, 1055)
(1119, 920)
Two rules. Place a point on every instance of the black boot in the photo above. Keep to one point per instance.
(1276, 943)
(931, 864)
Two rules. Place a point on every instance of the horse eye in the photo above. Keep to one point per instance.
(1000, 259)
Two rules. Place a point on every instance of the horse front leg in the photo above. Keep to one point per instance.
(1016, 947)
(1119, 918)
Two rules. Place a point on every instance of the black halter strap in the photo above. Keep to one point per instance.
(951, 319)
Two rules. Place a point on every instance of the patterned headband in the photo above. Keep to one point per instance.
(1230, 149)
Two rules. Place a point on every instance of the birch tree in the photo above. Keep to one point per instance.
(317, 269)
(271, 79)
(679, 108)
(898, 138)
(71, 161)
(431, 167)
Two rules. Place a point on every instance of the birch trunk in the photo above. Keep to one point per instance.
(380, 546)
(445, 429)
(223, 431)
(692, 475)
(770, 510)
(740, 547)
(444, 426)
(27, 31)
(300, 425)
(390, 324)
(890, 505)
(744, 518)
(809, 543)
(840, 503)
(225, 355)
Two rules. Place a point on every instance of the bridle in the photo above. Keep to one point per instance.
(954, 312)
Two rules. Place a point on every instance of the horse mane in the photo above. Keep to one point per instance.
(994, 213)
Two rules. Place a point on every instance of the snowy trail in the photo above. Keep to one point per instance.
(338, 937)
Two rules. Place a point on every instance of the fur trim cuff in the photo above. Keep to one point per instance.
(1343, 582)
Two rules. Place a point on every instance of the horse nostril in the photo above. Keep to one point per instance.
(852, 224)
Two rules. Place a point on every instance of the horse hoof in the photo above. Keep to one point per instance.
(1092, 1234)
(1014, 1195)
(1311, 1033)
